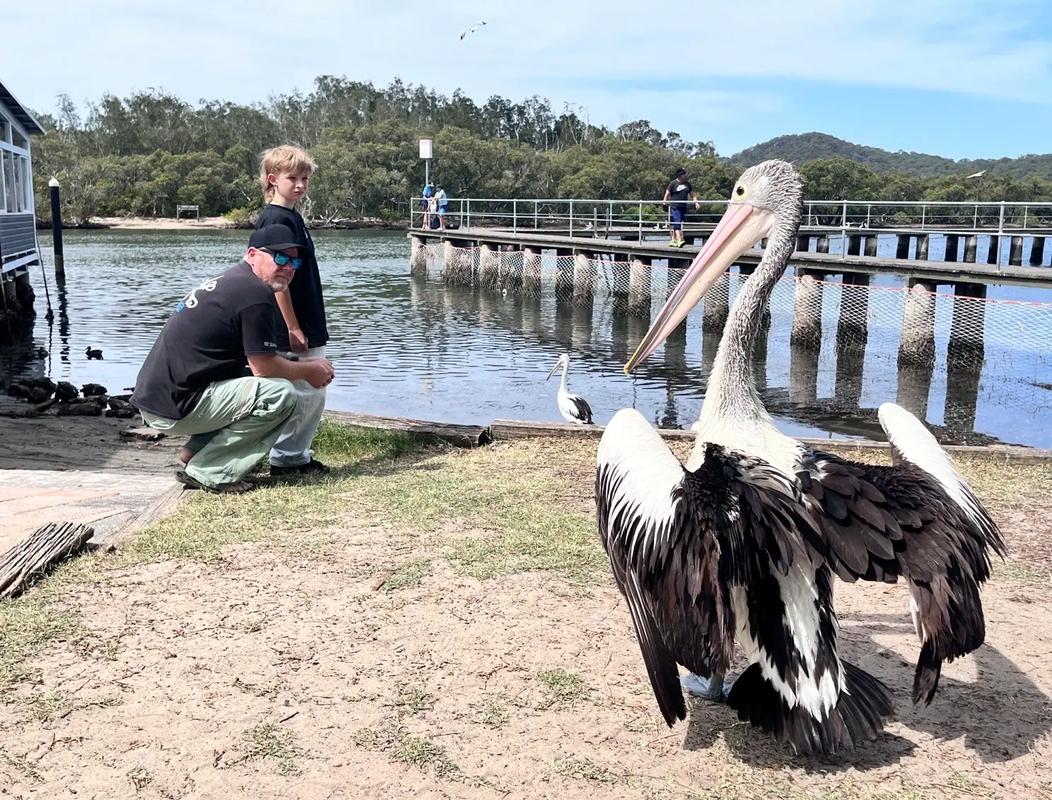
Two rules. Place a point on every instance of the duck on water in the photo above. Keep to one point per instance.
(743, 541)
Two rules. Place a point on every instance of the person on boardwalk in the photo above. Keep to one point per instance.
(677, 193)
(443, 205)
(194, 380)
(425, 203)
(284, 174)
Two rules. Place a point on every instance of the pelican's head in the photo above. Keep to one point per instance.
(563, 362)
(765, 197)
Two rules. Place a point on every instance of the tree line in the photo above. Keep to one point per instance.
(144, 154)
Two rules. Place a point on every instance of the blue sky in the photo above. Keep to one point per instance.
(961, 79)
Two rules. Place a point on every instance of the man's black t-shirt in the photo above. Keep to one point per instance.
(305, 289)
(679, 190)
(213, 329)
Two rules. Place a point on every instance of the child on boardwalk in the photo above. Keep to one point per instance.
(284, 173)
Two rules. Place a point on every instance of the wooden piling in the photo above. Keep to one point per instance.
(639, 287)
(922, 247)
(620, 269)
(967, 323)
(803, 373)
(488, 266)
(803, 244)
(509, 266)
(871, 246)
(1037, 251)
(563, 273)
(969, 249)
(807, 310)
(54, 190)
(854, 244)
(716, 305)
(917, 345)
(951, 247)
(531, 271)
(1015, 252)
(418, 256)
(822, 244)
(854, 309)
(902, 247)
(584, 274)
(993, 255)
(914, 385)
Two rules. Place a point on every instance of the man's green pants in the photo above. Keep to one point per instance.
(232, 427)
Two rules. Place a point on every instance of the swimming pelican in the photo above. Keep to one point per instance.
(742, 541)
(573, 407)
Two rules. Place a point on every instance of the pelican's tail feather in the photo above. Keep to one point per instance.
(858, 716)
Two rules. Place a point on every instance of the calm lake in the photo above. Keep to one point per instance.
(414, 347)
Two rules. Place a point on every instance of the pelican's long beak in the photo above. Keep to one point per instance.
(557, 365)
(740, 228)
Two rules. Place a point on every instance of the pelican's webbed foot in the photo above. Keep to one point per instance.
(713, 689)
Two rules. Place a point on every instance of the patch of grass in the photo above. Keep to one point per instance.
(407, 574)
(494, 713)
(27, 624)
(562, 687)
(268, 742)
(344, 444)
(140, 778)
(424, 753)
(414, 699)
(584, 769)
(20, 763)
(49, 706)
(420, 751)
(529, 517)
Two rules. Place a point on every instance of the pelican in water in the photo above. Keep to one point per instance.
(742, 542)
(572, 407)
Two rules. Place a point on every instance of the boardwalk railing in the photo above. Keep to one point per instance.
(646, 218)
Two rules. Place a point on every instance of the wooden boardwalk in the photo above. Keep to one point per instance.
(935, 272)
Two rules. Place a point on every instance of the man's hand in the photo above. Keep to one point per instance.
(297, 340)
(320, 372)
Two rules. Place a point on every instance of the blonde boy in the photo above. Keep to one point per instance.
(284, 175)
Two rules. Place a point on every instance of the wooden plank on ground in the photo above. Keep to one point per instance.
(161, 507)
(457, 435)
(37, 552)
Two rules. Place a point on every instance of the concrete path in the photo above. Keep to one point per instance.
(84, 470)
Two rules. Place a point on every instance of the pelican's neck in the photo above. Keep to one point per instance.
(732, 411)
(562, 383)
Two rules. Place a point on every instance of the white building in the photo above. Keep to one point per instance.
(18, 241)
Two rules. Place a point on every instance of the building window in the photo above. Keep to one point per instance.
(15, 189)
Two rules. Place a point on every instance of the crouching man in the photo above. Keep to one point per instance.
(194, 380)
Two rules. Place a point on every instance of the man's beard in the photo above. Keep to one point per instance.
(278, 284)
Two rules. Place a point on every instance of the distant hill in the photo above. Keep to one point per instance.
(803, 147)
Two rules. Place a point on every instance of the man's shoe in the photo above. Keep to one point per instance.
(312, 467)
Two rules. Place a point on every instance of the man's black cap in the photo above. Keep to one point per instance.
(273, 237)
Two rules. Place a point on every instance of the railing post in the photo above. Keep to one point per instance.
(843, 233)
(609, 217)
(640, 221)
(467, 223)
(536, 209)
(514, 216)
(809, 215)
(571, 218)
(975, 218)
(924, 211)
(1026, 212)
(1000, 232)
(869, 211)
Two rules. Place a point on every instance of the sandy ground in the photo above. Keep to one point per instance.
(299, 669)
(162, 223)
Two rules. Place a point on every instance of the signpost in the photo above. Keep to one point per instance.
(425, 153)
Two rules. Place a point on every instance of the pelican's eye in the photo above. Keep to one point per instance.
(739, 190)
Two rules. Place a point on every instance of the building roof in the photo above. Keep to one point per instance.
(18, 111)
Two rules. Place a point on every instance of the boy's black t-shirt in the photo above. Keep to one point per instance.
(679, 190)
(305, 289)
(214, 327)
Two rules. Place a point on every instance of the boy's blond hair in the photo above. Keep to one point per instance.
(285, 158)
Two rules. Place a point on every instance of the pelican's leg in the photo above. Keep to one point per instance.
(713, 689)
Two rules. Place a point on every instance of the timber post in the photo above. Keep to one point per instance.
(967, 323)
(563, 273)
(639, 287)
(807, 310)
(852, 326)
(1037, 251)
(417, 256)
(1015, 252)
(951, 247)
(54, 189)
(902, 247)
(917, 345)
(922, 247)
(584, 274)
(489, 273)
(531, 270)
(716, 305)
(871, 246)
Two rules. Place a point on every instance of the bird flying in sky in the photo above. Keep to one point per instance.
(472, 29)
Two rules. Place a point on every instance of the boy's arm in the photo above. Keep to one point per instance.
(317, 372)
(297, 341)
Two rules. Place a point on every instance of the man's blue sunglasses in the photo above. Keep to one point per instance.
(281, 259)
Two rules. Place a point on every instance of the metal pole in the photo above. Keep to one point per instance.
(56, 227)
(571, 218)
(467, 224)
(843, 233)
(1000, 233)
(640, 220)
(514, 216)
